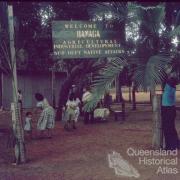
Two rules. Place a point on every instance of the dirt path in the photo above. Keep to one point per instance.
(82, 154)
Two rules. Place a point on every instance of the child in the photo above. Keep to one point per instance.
(28, 124)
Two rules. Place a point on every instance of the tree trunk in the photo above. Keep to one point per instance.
(152, 92)
(1, 89)
(78, 71)
(157, 140)
(150, 97)
(53, 89)
(130, 94)
(133, 97)
(122, 33)
(119, 97)
(18, 129)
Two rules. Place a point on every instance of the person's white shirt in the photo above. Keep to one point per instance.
(77, 101)
(71, 104)
(39, 104)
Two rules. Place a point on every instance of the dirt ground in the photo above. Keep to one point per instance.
(82, 154)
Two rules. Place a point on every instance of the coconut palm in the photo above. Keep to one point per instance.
(150, 62)
(112, 12)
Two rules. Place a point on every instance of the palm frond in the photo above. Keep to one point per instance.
(5, 60)
(148, 75)
(175, 31)
(103, 81)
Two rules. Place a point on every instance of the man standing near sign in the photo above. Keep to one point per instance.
(169, 114)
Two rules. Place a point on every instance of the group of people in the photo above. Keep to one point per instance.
(72, 109)
(46, 121)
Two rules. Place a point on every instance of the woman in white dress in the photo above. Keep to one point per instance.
(47, 117)
(72, 111)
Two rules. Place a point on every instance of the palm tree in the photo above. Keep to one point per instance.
(150, 63)
(118, 13)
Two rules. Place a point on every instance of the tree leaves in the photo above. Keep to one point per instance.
(175, 31)
(148, 75)
(151, 18)
(103, 81)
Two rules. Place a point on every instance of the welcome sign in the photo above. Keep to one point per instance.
(85, 39)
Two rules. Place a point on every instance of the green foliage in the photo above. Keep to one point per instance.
(150, 18)
(103, 81)
(149, 66)
(148, 75)
(5, 60)
(175, 31)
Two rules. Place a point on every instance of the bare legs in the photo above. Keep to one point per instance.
(74, 125)
(70, 125)
(49, 133)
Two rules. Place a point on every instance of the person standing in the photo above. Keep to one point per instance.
(46, 120)
(72, 112)
(168, 113)
(88, 115)
(28, 124)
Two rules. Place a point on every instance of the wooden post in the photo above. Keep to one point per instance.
(150, 98)
(18, 130)
(1, 90)
(53, 88)
(123, 110)
(133, 96)
(157, 140)
(118, 90)
(129, 93)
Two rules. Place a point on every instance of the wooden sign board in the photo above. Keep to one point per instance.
(85, 39)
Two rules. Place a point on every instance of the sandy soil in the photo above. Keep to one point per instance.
(82, 154)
